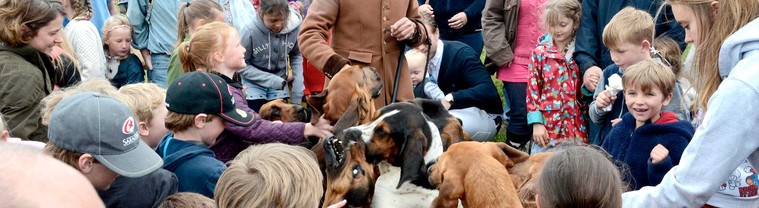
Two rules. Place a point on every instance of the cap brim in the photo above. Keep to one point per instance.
(239, 117)
(133, 164)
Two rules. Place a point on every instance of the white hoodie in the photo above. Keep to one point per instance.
(728, 135)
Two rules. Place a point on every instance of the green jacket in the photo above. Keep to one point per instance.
(24, 80)
(175, 65)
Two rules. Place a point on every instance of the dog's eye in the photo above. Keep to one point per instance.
(356, 170)
(380, 133)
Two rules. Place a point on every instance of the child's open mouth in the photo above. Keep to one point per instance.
(640, 111)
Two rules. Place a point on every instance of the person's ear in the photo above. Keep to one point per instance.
(142, 129)
(666, 100)
(218, 56)
(715, 7)
(646, 46)
(85, 163)
(200, 120)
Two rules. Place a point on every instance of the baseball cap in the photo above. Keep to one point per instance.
(104, 127)
(200, 92)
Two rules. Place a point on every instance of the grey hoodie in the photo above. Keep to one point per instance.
(728, 135)
(267, 55)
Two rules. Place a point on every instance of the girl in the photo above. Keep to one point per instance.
(216, 48)
(123, 66)
(31, 28)
(84, 37)
(553, 92)
(724, 33)
(192, 15)
(66, 66)
(579, 176)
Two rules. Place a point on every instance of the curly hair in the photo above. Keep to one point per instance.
(22, 19)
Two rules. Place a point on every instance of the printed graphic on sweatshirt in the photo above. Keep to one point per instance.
(743, 183)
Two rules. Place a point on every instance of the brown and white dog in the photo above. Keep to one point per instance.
(354, 86)
(404, 143)
(476, 173)
(450, 127)
(279, 110)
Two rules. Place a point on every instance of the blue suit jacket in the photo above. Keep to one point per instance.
(462, 73)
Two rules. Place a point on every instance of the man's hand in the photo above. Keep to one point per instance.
(403, 29)
(540, 134)
(426, 9)
(446, 104)
(457, 21)
(659, 153)
(590, 78)
(146, 55)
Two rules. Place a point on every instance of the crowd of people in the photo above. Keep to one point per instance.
(154, 103)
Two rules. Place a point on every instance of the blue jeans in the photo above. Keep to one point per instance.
(473, 40)
(517, 98)
(160, 68)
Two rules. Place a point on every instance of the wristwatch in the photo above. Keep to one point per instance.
(449, 98)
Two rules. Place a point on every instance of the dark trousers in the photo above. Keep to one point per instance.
(473, 40)
(516, 93)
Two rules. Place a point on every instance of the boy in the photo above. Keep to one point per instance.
(198, 105)
(271, 45)
(650, 141)
(628, 36)
(146, 100)
(428, 89)
(97, 135)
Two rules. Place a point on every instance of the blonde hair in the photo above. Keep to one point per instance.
(648, 74)
(415, 56)
(187, 200)
(64, 49)
(629, 25)
(557, 8)
(670, 52)
(731, 16)
(271, 175)
(112, 23)
(101, 86)
(81, 8)
(66, 156)
(194, 10)
(579, 176)
(145, 98)
(208, 39)
(21, 20)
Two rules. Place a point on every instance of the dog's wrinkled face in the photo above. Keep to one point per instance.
(349, 176)
(355, 84)
(279, 110)
(450, 127)
(402, 136)
(525, 177)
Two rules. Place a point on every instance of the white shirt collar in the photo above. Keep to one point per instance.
(434, 67)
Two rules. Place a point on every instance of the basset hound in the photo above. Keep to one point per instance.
(450, 127)
(404, 142)
(476, 173)
(279, 110)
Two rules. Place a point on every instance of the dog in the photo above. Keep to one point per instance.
(404, 143)
(450, 127)
(525, 176)
(353, 86)
(349, 176)
(484, 182)
(279, 110)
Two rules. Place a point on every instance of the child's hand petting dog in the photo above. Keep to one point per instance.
(540, 134)
(659, 153)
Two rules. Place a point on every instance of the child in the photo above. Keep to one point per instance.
(272, 45)
(147, 103)
(429, 89)
(198, 104)
(187, 200)
(579, 176)
(192, 15)
(669, 54)
(96, 135)
(271, 175)
(553, 92)
(650, 141)
(100, 86)
(224, 58)
(84, 36)
(628, 36)
(66, 66)
(123, 66)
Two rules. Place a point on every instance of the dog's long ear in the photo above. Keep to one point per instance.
(316, 104)
(412, 167)
(514, 155)
(350, 117)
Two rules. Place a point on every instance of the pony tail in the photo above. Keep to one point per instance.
(182, 23)
(185, 57)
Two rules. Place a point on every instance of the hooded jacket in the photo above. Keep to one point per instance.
(267, 54)
(727, 137)
(24, 80)
(633, 146)
(194, 165)
(146, 191)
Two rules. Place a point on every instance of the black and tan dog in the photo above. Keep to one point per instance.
(404, 142)
(449, 126)
(279, 110)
